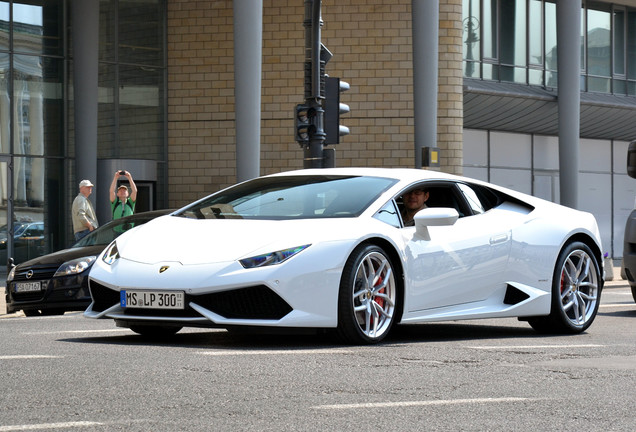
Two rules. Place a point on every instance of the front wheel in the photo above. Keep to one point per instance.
(368, 298)
(576, 292)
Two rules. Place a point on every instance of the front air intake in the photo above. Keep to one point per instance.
(103, 297)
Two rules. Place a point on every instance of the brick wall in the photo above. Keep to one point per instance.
(371, 43)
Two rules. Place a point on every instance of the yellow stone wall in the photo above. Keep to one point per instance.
(371, 43)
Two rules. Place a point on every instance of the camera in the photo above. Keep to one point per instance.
(122, 172)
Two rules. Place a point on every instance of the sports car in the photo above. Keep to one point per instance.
(329, 249)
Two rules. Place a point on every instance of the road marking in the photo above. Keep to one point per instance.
(513, 347)
(48, 426)
(76, 331)
(28, 357)
(276, 352)
(619, 305)
(423, 403)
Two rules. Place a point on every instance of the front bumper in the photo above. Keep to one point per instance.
(68, 293)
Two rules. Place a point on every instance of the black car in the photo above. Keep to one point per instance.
(629, 240)
(55, 283)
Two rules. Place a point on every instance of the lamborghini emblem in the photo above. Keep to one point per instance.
(163, 269)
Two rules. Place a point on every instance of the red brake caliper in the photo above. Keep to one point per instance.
(562, 282)
(380, 300)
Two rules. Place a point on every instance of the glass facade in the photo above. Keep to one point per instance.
(31, 127)
(36, 115)
(132, 69)
(515, 41)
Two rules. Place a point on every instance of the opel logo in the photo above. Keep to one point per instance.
(29, 274)
(163, 269)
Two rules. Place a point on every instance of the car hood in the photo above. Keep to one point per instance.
(200, 241)
(60, 257)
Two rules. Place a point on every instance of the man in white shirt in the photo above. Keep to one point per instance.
(84, 219)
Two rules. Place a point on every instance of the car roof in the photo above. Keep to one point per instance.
(407, 175)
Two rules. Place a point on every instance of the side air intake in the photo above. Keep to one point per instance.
(514, 296)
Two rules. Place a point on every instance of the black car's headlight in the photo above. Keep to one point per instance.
(11, 274)
(111, 254)
(271, 258)
(75, 266)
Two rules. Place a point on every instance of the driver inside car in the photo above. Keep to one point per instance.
(414, 201)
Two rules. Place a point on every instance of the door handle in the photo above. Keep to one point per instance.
(499, 238)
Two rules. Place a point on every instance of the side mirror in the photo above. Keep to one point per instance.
(436, 216)
(631, 159)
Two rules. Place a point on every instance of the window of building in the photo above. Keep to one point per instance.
(32, 120)
(132, 80)
(516, 41)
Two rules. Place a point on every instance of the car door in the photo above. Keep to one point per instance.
(462, 263)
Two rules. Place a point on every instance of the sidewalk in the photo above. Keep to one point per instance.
(616, 282)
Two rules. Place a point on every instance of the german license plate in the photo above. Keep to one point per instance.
(151, 299)
(21, 287)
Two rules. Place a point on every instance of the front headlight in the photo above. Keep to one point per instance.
(75, 266)
(11, 274)
(111, 254)
(271, 258)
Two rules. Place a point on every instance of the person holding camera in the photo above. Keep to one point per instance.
(121, 204)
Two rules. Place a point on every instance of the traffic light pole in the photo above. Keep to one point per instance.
(314, 85)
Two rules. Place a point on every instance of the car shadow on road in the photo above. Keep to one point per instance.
(255, 339)
(620, 313)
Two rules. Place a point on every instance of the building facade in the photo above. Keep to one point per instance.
(166, 106)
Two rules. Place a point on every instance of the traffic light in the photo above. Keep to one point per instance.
(303, 124)
(333, 108)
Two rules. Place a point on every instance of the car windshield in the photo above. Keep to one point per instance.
(109, 232)
(292, 197)
(18, 228)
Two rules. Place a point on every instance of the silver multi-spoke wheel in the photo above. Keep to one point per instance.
(368, 296)
(374, 295)
(576, 292)
(579, 287)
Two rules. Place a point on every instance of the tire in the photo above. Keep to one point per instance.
(155, 331)
(634, 292)
(576, 292)
(31, 312)
(368, 296)
(52, 312)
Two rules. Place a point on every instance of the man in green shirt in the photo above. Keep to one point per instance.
(120, 203)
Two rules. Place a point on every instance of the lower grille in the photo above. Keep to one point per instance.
(257, 302)
(103, 297)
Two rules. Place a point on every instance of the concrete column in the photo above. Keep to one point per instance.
(425, 16)
(569, 97)
(248, 51)
(85, 29)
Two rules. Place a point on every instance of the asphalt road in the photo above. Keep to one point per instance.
(70, 373)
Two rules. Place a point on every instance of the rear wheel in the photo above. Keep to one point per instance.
(368, 297)
(576, 292)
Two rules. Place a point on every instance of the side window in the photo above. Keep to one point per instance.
(389, 214)
(476, 205)
(436, 194)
